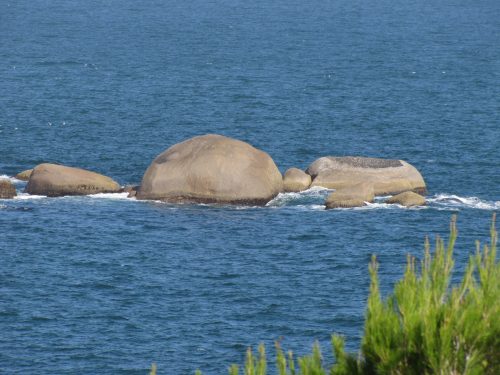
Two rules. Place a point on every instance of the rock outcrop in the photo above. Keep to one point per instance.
(7, 189)
(352, 196)
(24, 175)
(296, 180)
(407, 199)
(58, 180)
(212, 169)
(387, 176)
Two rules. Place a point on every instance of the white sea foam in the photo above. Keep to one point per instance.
(115, 196)
(283, 198)
(385, 206)
(311, 207)
(112, 196)
(312, 199)
(11, 179)
(455, 201)
(371, 206)
(26, 196)
(309, 199)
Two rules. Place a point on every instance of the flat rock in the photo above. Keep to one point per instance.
(7, 189)
(407, 199)
(212, 169)
(353, 196)
(58, 180)
(387, 176)
(296, 180)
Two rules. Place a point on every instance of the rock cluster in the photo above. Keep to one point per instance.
(387, 176)
(217, 169)
(349, 173)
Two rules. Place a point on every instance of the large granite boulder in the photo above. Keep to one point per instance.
(407, 199)
(212, 169)
(57, 180)
(296, 180)
(352, 196)
(7, 189)
(24, 175)
(387, 176)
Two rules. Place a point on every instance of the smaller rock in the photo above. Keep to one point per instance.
(24, 175)
(407, 199)
(127, 188)
(7, 189)
(55, 180)
(131, 190)
(354, 196)
(296, 180)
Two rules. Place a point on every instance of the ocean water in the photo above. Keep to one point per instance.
(107, 285)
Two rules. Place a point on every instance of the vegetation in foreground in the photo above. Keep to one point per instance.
(424, 327)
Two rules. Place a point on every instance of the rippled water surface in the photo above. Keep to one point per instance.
(106, 285)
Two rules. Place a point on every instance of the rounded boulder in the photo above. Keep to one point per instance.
(212, 169)
(7, 189)
(352, 196)
(55, 180)
(387, 176)
(407, 199)
(296, 180)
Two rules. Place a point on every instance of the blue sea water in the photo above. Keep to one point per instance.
(108, 285)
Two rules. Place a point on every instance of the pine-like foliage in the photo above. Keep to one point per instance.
(425, 326)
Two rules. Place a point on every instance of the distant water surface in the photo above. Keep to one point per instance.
(107, 285)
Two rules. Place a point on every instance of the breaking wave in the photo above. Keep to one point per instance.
(26, 196)
(313, 196)
(115, 196)
(314, 199)
(11, 179)
(455, 201)
(311, 200)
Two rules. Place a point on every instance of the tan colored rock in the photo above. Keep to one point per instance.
(58, 180)
(7, 189)
(24, 175)
(407, 199)
(387, 176)
(211, 169)
(353, 196)
(296, 180)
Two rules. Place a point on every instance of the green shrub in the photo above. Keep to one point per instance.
(424, 327)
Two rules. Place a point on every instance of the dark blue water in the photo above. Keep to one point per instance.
(106, 285)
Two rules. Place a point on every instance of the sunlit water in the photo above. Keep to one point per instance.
(104, 284)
